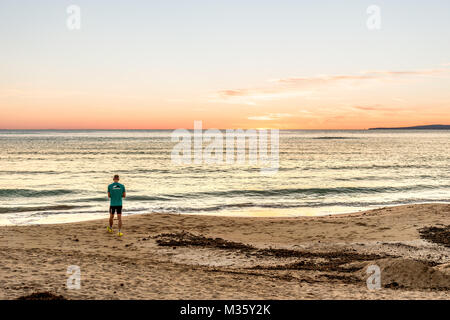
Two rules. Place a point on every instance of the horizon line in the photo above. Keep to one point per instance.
(130, 129)
(94, 129)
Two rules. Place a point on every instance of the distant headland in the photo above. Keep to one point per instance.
(429, 127)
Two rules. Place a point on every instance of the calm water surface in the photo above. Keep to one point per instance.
(57, 176)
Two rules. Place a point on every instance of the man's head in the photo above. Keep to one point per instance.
(116, 178)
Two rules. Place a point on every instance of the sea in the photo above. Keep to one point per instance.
(58, 176)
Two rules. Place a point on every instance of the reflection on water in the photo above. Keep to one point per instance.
(62, 175)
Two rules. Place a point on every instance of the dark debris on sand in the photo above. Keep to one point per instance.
(45, 295)
(436, 235)
(183, 239)
(333, 261)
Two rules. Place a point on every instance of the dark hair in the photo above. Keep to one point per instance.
(116, 176)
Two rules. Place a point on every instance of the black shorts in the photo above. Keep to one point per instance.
(114, 209)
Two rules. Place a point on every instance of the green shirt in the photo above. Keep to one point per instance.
(116, 190)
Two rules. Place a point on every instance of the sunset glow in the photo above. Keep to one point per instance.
(292, 65)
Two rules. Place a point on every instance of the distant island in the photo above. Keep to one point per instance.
(429, 127)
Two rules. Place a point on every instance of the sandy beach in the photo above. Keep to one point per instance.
(168, 256)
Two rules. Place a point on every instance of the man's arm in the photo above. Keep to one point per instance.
(109, 194)
(124, 194)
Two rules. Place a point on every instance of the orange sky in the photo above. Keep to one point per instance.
(287, 65)
(344, 101)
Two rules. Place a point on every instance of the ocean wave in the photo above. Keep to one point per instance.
(128, 198)
(36, 209)
(196, 172)
(32, 172)
(233, 207)
(55, 210)
(333, 138)
(149, 198)
(270, 193)
(32, 193)
(386, 178)
(372, 167)
(311, 191)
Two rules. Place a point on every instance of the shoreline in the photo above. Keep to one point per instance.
(183, 256)
(245, 213)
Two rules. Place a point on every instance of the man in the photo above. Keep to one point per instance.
(116, 191)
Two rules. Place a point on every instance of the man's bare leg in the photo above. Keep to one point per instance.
(111, 220)
(119, 217)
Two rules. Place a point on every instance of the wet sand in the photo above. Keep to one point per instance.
(168, 256)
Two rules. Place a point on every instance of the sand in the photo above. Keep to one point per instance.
(168, 256)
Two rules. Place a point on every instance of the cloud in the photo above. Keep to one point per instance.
(270, 116)
(318, 80)
(376, 107)
(262, 94)
(254, 96)
(366, 75)
(380, 108)
(306, 86)
(407, 73)
(233, 93)
(367, 108)
(261, 118)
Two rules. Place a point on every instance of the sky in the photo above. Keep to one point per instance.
(231, 64)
